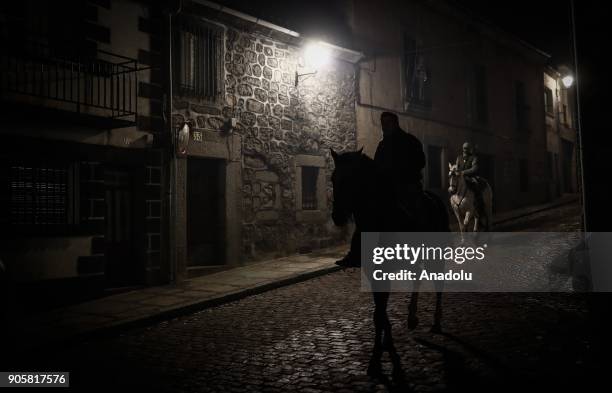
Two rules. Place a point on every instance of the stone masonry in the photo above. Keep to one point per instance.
(277, 122)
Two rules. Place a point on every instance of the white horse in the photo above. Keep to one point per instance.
(462, 201)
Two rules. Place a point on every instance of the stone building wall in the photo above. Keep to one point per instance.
(281, 128)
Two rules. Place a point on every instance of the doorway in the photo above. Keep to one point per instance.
(205, 215)
(123, 265)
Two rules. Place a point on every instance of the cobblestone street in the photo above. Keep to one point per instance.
(317, 336)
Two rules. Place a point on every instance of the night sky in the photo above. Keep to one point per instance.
(544, 24)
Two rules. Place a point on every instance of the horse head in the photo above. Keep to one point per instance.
(344, 181)
(454, 177)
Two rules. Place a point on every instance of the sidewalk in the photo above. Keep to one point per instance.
(141, 307)
(502, 217)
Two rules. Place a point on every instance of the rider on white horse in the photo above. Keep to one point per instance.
(467, 164)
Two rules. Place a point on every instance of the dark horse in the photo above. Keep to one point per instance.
(359, 191)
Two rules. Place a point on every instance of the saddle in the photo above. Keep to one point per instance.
(476, 183)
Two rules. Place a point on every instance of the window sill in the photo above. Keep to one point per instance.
(417, 106)
(311, 215)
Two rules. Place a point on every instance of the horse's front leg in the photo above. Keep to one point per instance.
(467, 218)
(413, 320)
(459, 221)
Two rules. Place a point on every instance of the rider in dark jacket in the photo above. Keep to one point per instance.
(399, 155)
(400, 159)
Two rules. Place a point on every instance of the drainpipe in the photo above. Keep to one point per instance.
(577, 117)
(172, 186)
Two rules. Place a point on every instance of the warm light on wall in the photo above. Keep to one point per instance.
(315, 56)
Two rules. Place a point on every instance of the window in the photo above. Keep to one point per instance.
(477, 93)
(40, 195)
(416, 75)
(565, 114)
(548, 101)
(310, 176)
(198, 48)
(523, 176)
(310, 188)
(434, 166)
(521, 107)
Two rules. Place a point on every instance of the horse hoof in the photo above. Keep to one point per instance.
(436, 329)
(413, 322)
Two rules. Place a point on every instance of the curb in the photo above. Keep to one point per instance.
(113, 329)
(544, 208)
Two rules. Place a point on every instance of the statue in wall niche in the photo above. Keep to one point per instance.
(268, 195)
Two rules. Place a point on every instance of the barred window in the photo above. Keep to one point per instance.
(548, 101)
(198, 61)
(310, 175)
(39, 194)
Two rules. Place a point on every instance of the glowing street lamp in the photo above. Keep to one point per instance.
(316, 55)
(568, 81)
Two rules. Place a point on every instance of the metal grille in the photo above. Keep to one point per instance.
(198, 61)
(548, 100)
(38, 194)
(309, 187)
(105, 85)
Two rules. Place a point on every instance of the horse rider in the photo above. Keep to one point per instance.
(467, 164)
(400, 157)
(400, 160)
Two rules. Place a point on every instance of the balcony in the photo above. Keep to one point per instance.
(100, 89)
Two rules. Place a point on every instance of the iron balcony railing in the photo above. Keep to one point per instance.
(103, 84)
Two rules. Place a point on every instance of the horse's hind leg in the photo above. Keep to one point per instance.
(413, 320)
(437, 324)
(382, 331)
